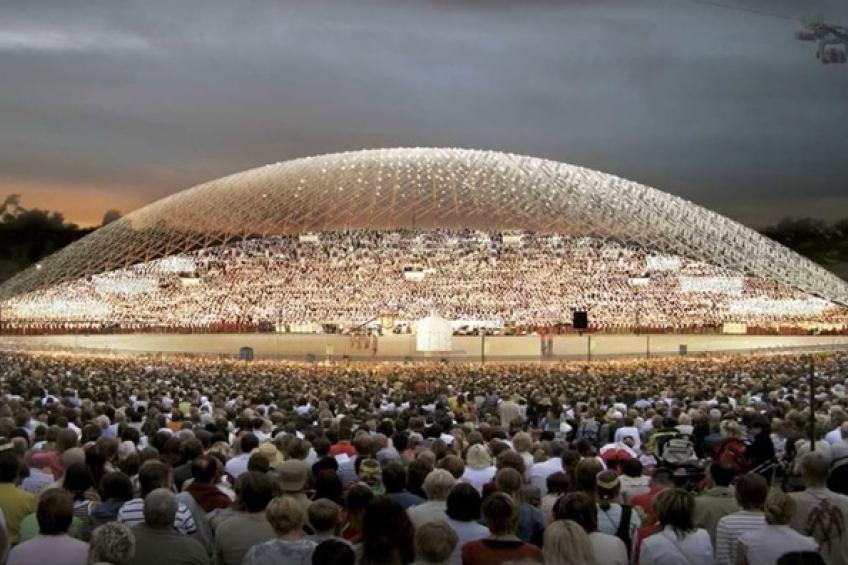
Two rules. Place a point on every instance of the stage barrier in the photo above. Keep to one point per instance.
(400, 347)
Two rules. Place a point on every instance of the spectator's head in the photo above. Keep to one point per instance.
(580, 508)
(10, 465)
(328, 485)
(248, 442)
(438, 484)
(632, 467)
(779, 508)
(435, 542)
(258, 463)
(478, 457)
(204, 469)
(333, 552)
(500, 514)
(464, 503)
(508, 481)
(510, 459)
(254, 491)
(160, 508)
(112, 542)
(78, 479)
(357, 499)
(675, 508)
(607, 487)
(662, 478)
(557, 483)
(66, 439)
(567, 543)
(453, 465)
(751, 491)
(731, 428)
(153, 474)
(286, 517)
(323, 516)
(394, 477)
(191, 449)
(387, 533)
(416, 472)
(586, 473)
(73, 455)
(370, 472)
(522, 442)
(116, 486)
(815, 467)
(293, 475)
(55, 512)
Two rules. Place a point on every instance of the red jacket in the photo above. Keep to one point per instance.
(342, 446)
(209, 497)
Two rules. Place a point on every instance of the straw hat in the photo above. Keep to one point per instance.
(271, 453)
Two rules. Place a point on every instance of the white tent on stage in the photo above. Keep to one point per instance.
(433, 334)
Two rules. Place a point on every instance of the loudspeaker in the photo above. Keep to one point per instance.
(580, 320)
(246, 353)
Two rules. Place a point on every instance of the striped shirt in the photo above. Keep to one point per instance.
(728, 531)
(132, 513)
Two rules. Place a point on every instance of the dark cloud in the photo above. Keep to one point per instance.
(720, 106)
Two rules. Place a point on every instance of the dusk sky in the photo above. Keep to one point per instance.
(110, 104)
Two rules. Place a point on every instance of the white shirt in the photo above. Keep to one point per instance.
(833, 436)
(634, 486)
(540, 472)
(478, 477)
(627, 431)
(237, 465)
(769, 543)
(664, 548)
(608, 549)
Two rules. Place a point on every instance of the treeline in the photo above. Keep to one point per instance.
(28, 235)
(824, 243)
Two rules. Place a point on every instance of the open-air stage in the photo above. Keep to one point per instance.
(402, 347)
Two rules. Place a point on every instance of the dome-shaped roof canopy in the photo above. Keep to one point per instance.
(427, 188)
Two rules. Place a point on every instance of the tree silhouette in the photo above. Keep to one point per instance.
(28, 235)
(110, 216)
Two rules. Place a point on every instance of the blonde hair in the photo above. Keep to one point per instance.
(522, 442)
(478, 457)
(438, 484)
(285, 515)
(435, 542)
(222, 448)
(730, 428)
(779, 508)
(567, 543)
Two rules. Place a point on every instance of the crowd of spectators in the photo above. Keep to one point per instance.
(528, 280)
(690, 461)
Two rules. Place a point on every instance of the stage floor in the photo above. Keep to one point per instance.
(402, 347)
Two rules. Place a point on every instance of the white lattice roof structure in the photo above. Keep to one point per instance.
(425, 188)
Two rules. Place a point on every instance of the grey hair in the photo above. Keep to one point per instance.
(160, 508)
(438, 484)
(112, 542)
